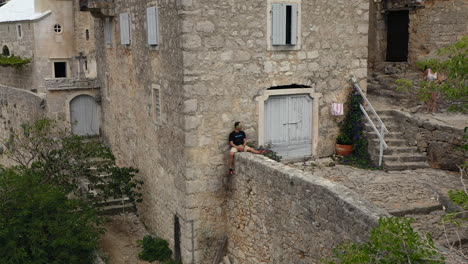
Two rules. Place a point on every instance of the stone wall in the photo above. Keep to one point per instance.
(440, 142)
(277, 214)
(23, 47)
(154, 144)
(18, 106)
(213, 61)
(228, 64)
(433, 24)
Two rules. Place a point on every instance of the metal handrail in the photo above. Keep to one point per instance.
(383, 128)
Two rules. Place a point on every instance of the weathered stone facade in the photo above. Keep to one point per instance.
(433, 24)
(212, 63)
(277, 214)
(23, 47)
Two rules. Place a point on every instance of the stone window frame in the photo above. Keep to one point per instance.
(19, 31)
(67, 68)
(156, 107)
(269, 35)
(261, 99)
(58, 28)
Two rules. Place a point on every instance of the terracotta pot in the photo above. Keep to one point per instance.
(344, 150)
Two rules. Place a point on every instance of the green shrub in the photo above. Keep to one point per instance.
(13, 61)
(352, 133)
(39, 224)
(154, 249)
(393, 241)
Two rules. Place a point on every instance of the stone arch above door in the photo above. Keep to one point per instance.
(261, 99)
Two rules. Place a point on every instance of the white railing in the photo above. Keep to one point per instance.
(383, 129)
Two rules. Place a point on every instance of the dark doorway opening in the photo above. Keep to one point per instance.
(60, 69)
(177, 253)
(397, 36)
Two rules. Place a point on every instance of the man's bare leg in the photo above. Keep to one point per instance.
(231, 159)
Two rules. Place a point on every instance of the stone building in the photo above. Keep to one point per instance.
(403, 32)
(175, 76)
(59, 39)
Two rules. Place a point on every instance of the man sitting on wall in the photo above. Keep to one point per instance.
(238, 142)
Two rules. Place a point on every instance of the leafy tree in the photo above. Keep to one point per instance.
(393, 241)
(154, 249)
(454, 68)
(68, 161)
(40, 225)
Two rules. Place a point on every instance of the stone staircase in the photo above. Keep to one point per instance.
(399, 155)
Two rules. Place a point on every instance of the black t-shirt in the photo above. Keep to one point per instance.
(237, 138)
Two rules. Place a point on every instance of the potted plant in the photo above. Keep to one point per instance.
(344, 144)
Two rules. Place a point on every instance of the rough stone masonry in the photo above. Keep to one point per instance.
(168, 109)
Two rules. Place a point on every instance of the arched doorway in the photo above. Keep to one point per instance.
(84, 116)
(5, 51)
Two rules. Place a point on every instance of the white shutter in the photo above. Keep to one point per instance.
(125, 29)
(152, 24)
(108, 30)
(293, 24)
(278, 24)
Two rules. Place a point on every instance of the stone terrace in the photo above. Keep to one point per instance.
(418, 194)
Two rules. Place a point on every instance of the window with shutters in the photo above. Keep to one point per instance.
(152, 26)
(156, 104)
(108, 29)
(284, 25)
(125, 35)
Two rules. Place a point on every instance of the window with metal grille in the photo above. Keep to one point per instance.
(57, 28)
(156, 98)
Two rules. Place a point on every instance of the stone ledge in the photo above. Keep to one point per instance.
(341, 192)
(70, 84)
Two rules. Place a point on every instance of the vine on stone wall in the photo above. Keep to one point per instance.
(352, 129)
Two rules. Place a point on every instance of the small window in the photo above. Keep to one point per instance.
(125, 35)
(152, 25)
(60, 69)
(5, 51)
(19, 31)
(57, 28)
(108, 30)
(284, 24)
(156, 98)
(87, 34)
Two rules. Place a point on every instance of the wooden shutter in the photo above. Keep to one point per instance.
(278, 24)
(125, 29)
(293, 24)
(152, 23)
(84, 116)
(108, 30)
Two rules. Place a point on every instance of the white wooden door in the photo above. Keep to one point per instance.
(84, 116)
(288, 125)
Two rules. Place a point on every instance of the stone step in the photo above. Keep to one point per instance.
(416, 157)
(117, 209)
(391, 135)
(399, 166)
(112, 201)
(375, 150)
(391, 127)
(391, 142)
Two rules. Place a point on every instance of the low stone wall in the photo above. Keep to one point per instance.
(277, 214)
(18, 106)
(440, 142)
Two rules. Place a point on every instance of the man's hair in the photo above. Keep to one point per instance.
(236, 124)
